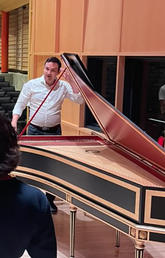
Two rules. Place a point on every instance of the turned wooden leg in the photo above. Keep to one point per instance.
(139, 249)
(117, 239)
(72, 229)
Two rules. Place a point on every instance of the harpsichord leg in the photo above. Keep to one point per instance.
(139, 249)
(72, 229)
(117, 239)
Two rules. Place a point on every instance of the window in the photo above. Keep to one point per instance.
(18, 39)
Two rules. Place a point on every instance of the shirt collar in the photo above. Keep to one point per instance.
(43, 80)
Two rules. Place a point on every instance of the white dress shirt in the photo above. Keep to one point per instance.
(34, 92)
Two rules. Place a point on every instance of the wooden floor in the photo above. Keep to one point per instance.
(95, 239)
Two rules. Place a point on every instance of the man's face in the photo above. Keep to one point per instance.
(51, 70)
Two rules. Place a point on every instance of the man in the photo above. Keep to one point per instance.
(47, 121)
(25, 218)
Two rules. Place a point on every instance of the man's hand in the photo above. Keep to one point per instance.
(68, 77)
(14, 122)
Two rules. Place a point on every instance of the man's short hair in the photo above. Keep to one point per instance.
(53, 59)
(9, 149)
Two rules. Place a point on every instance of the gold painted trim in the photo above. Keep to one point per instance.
(139, 234)
(136, 232)
(105, 177)
(148, 206)
(70, 196)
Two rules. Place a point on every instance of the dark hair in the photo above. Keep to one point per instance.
(9, 149)
(53, 59)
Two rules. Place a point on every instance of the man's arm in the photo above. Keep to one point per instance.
(21, 104)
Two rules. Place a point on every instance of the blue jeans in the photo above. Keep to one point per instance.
(32, 130)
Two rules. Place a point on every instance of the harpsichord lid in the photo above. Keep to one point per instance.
(117, 127)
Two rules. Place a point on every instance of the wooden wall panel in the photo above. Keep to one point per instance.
(39, 65)
(102, 27)
(143, 27)
(71, 25)
(71, 112)
(71, 116)
(44, 19)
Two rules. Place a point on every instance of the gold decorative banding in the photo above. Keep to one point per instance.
(148, 206)
(90, 195)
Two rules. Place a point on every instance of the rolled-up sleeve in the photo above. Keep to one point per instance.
(75, 97)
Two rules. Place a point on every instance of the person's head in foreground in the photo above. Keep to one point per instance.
(9, 150)
(25, 219)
